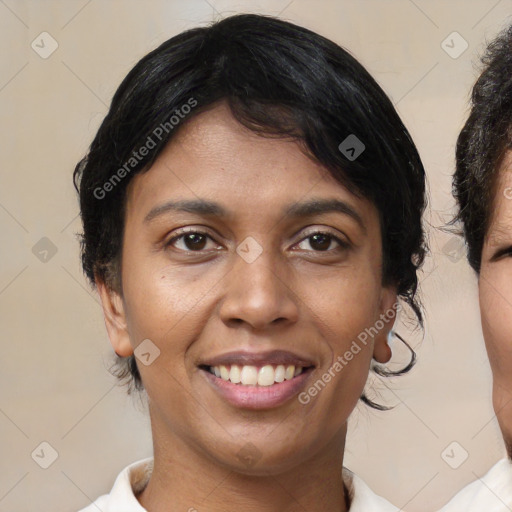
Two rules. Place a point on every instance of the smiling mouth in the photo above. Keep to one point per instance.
(262, 376)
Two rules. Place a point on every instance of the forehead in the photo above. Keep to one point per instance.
(215, 157)
(500, 226)
(217, 140)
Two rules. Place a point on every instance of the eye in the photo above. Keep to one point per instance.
(197, 241)
(506, 251)
(321, 241)
(190, 241)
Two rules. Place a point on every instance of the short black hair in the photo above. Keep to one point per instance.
(483, 143)
(279, 79)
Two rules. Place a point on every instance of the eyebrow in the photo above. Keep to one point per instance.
(317, 206)
(314, 206)
(197, 206)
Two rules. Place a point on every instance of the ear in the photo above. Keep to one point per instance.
(387, 309)
(115, 319)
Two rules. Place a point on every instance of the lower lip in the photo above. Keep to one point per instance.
(258, 397)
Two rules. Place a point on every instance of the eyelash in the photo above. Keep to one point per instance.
(342, 244)
(503, 252)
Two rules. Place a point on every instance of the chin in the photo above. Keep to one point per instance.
(252, 460)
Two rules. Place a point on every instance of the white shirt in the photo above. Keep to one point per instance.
(491, 493)
(134, 478)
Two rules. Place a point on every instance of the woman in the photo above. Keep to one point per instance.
(252, 210)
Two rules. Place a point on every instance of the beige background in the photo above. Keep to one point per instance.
(54, 383)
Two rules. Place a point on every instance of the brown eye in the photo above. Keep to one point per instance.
(194, 241)
(321, 242)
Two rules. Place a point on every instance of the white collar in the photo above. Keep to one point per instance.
(134, 478)
(491, 493)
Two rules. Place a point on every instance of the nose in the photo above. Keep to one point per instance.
(259, 294)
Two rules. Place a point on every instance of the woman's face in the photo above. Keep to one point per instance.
(244, 257)
(495, 286)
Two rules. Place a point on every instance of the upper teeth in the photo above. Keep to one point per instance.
(252, 375)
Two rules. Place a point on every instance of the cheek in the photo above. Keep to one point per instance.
(496, 313)
(163, 299)
(167, 306)
(495, 290)
(346, 307)
(345, 304)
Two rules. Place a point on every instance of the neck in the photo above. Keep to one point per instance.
(187, 479)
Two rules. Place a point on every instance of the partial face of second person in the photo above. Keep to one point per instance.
(495, 287)
(199, 301)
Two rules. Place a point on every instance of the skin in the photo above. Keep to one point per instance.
(194, 304)
(495, 291)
